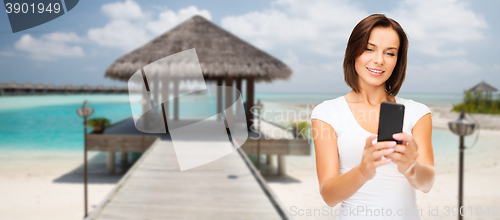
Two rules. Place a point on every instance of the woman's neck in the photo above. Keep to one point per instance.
(372, 96)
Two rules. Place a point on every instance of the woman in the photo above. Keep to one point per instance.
(350, 164)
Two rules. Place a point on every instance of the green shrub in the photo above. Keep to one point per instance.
(477, 102)
(301, 129)
(104, 122)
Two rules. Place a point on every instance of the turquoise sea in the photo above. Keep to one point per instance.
(50, 122)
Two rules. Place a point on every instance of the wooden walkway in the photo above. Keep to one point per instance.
(155, 188)
(124, 137)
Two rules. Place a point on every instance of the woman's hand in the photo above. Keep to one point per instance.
(405, 154)
(372, 156)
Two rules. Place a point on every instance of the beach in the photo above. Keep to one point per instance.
(48, 184)
(299, 190)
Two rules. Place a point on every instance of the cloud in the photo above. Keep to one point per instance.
(440, 27)
(435, 27)
(119, 34)
(453, 73)
(447, 75)
(311, 69)
(168, 19)
(90, 69)
(448, 67)
(50, 46)
(311, 35)
(299, 24)
(496, 67)
(128, 10)
(130, 27)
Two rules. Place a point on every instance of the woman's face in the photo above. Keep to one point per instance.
(375, 65)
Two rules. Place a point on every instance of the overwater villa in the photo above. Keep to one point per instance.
(227, 188)
(12, 88)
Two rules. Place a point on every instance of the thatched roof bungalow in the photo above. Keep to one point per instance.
(40, 88)
(220, 53)
(51, 88)
(484, 88)
(223, 57)
(27, 88)
(100, 89)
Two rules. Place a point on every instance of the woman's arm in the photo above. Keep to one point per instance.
(335, 188)
(423, 174)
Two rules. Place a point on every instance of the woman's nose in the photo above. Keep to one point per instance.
(378, 59)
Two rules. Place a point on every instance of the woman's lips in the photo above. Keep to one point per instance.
(375, 72)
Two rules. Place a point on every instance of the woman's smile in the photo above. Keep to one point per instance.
(375, 72)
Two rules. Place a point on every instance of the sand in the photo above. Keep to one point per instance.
(299, 190)
(49, 185)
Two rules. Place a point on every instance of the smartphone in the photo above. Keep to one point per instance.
(390, 121)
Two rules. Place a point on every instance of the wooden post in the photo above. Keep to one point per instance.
(460, 175)
(238, 87)
(219, 98)
(229, 96)
(85, 164)
(238, 84)
(110, 156)
(176, 99)
(281, 165)
(250, 99)
(269, 159)
(124, 157)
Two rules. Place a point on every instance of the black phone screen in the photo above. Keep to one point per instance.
(390, 121)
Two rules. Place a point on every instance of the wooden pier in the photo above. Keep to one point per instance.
(123, 137)
(155, 188)
(227, 188)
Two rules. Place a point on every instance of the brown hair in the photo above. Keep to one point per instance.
(357, 44)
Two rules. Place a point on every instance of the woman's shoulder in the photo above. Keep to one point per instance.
(329, 111)
(413, 109)
(330, 105)
(410, 103)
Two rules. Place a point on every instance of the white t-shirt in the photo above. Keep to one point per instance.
(389, 194)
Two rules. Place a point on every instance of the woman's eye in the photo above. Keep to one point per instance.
(368, 49)
(390, 54)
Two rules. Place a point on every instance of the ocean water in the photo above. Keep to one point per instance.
(39, 123)
(51, 122)
(316, 98)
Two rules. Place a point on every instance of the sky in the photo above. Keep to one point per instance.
(453, 43)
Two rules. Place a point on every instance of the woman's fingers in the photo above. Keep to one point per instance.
(400, 158)
(381, 162)
(384, 144)
(381, 149)
(369, 141)
(405, 138)
(378, 154)
(372, 155)
(407, 151)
